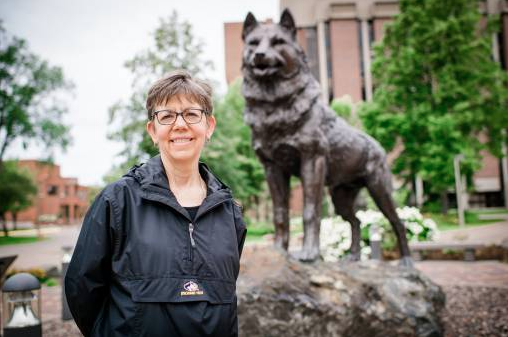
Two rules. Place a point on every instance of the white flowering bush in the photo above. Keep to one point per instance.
(335, 238)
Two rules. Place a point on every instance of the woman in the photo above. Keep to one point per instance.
(159, 250)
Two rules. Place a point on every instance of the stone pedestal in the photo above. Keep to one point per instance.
(280, 296)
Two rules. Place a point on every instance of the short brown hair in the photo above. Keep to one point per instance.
(179, 83)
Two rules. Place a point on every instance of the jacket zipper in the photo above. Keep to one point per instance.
(193, 243)
(191, 230)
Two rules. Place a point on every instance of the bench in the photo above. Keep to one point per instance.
(468, 248)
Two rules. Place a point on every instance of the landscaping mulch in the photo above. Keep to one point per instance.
(475, 311)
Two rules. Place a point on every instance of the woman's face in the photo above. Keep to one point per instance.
(181, 142)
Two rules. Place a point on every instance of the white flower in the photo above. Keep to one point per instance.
(431, 224)
(409, 213)
(335, 237)
(369, 217)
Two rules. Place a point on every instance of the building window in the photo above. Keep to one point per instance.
(311, 50)
(329, 70)
(52, 190)
(82, 195)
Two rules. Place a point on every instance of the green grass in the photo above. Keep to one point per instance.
(451, 221)
(12, 240)
(256, 230)
(51, 282)
(490, 211)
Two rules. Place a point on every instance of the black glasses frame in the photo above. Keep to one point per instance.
(155, 114)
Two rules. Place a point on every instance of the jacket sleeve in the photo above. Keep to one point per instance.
(241, 229)
(88, 275)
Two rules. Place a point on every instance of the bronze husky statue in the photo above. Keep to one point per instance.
(294, 132)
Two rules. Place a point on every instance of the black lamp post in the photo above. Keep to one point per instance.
(22, 306)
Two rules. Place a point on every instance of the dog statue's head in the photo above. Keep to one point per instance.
(270, 50)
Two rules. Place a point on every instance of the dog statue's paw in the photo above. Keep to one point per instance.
(350, 258)
(308, 255)
(407, 262)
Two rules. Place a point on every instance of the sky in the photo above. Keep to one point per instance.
(90, 40)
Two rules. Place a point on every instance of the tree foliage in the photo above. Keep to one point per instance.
(31, 106)
(175, 47)
(437, 90)
(230, 153)
(17, 189)
(345, 108)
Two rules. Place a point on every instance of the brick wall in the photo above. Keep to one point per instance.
(58, 200)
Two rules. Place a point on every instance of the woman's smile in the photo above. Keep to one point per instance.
(181, 140)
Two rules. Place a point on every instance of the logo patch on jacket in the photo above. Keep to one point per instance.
(191, 288)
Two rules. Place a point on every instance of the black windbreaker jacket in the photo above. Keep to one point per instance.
(141, 267)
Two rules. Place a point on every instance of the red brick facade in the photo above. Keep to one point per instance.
(58, 200)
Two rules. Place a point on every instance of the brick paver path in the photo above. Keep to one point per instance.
(462, 273)
(45, 253)
(496, 233)
(52, 324)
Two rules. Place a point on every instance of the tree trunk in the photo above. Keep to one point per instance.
(2, 149)
(15, 221)
(444, 203)
(4, 224)
(256, 208)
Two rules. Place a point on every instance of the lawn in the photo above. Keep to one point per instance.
(12, 240)
(256, 230)
(472, 217)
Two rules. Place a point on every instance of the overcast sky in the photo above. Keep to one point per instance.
(90, 40)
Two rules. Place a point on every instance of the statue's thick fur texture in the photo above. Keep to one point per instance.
(295, 133)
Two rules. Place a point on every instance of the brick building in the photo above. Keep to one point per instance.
(337, 36)
(58, 200)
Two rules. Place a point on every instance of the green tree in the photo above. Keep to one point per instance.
(175, 47)
(16, 191)
(437, 90)
(345, 108)
(30, 97)
(230, 153)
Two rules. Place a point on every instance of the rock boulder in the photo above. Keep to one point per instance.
(280, 296)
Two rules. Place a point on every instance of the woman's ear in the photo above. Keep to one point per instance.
(210, 121)
(150, 128)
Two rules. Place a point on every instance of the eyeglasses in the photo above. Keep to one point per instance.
(168, 117)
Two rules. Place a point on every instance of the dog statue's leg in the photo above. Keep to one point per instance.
(344, 202)
(278, 182)
(313, 171)
(379, 186)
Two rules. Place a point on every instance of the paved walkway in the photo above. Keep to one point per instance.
(496, 233)
(463, 273)
(45, 253)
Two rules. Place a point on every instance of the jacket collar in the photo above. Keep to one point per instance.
(155, 186)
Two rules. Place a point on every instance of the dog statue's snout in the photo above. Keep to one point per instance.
(259, 56)
(261, 50)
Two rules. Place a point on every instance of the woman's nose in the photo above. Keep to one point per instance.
(180, 122)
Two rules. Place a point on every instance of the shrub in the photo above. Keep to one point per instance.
(336, 233)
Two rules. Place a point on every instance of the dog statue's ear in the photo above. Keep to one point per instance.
(287, 22)
(248, 25)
